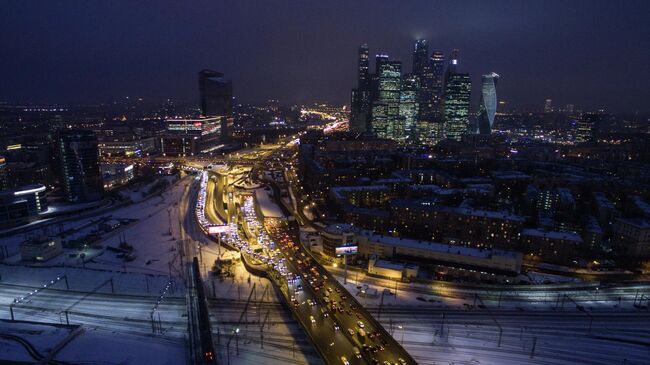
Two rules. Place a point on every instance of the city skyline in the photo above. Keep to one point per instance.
(277, 47)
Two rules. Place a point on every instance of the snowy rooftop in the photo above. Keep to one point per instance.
(602, 201)
(440, 247)
(567, 236)
(269, 209)
(464, 211)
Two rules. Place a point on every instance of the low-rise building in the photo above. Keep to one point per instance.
(551, 246)
(40, 249)
(433, 252)
(632, 238)
(22, 205)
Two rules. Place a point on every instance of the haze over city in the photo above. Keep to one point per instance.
(588, 53)
(324, 183)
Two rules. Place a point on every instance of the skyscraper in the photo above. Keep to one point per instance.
(424, 77)
(78, 155)
(361, 96)
(587, 126)
(420, 54)
(452, 65)
(408, 109)
(385, 109)
(488, 104)
(548, 106)
(457, 91)
(215, 94)
(364, 68)
(458, 88)
(430, 124)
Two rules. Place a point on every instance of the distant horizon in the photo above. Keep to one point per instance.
(591, 54)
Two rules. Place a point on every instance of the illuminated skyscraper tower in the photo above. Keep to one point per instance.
(458, 88)
(488, 105)
(385, 109)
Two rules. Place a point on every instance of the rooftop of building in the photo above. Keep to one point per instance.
(566, 236)
(439, 247)
(640, 223)
(422, 204)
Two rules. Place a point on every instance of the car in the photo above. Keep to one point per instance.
(401, 361)
(336, 327)
(312, 319)
(351, 331)
(356, 352)
(344, 360)
(361, 325)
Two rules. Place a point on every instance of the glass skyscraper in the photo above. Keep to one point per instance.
(361, 98)
(385, 110)
(408, 109)
(456, 105)
(80, 176)
(488, 105)
(215, 94)
(430, 129)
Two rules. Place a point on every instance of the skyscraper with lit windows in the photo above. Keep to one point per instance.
(408, 109)
(385, 109)
(215, 97)
(457, 91)
(456, 105)
(80, 176)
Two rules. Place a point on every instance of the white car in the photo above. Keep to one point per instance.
(361, 325)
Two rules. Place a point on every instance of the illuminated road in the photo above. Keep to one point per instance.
(343, 333)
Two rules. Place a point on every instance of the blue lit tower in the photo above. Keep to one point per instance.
(488, 105)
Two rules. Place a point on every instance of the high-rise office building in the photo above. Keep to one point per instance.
(548, 106)
(80, 175)
(408, 109)
(587, 126)
(361, 95)
(424, 77)
(385, 111)
(431, 130)
(457, 91)
(452, 65)
(458, 88)
(215, 94)
(488, 104)
(420, 56)
(364, 68)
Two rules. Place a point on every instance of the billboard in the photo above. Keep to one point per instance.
(218, 229)
(347, 250)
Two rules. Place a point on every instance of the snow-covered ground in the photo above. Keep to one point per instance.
(88, 346)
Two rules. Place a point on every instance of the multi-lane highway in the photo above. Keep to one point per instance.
(340, 328)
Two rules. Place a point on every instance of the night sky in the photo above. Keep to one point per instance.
(595, 54)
